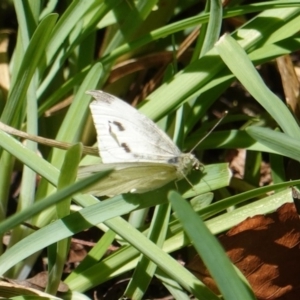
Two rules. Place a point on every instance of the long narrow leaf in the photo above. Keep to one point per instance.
(230, 283)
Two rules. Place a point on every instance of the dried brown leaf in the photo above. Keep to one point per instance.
(266, 250)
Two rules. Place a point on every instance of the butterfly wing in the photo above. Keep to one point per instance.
(125, 135)
(143, 156)
(129, 177)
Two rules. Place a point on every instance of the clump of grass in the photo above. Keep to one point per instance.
(61, 51)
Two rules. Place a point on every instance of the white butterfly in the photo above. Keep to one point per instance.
(142, 155)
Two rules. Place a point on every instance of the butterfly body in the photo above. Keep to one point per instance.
(142, 155)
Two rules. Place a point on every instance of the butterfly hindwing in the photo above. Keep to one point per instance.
(130, 177)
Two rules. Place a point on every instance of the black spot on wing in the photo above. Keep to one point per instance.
(125, 147)
(116, 125)
(119, 125)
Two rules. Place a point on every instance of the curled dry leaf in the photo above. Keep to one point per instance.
(77, 253)
(40, 281)
(237, 158)
(266, 250)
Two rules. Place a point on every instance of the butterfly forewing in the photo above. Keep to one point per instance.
(125, 135)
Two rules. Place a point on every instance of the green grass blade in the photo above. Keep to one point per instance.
(49, 201)
(32, 57)
(29, 158)
(74, 12)
(277, 141)
(57, 258)
(145, 268)
(222, 205)
(260, 207)
(213, 26)
(230, 283)
(249, 77)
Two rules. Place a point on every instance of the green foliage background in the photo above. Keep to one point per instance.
(63, 49)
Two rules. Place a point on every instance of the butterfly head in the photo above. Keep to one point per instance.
(187, 162)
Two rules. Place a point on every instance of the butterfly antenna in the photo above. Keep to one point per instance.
(210, 131)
